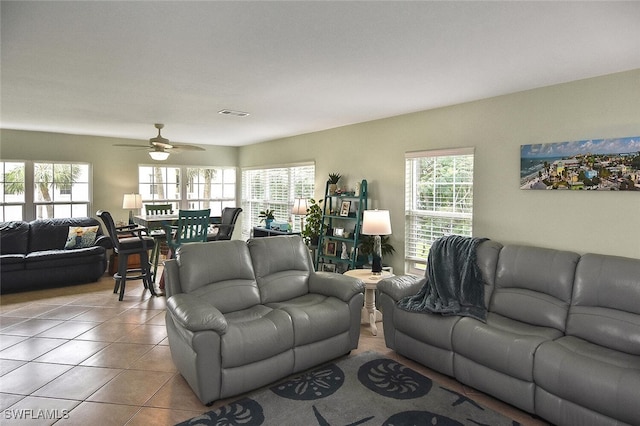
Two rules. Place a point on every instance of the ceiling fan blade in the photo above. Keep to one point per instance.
(187, 148)
(130, 145)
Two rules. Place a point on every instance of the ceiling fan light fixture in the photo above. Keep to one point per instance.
(159, 155)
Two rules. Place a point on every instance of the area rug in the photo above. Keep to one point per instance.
(366, 389)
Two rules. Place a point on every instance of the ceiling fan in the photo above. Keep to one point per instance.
(160, 148)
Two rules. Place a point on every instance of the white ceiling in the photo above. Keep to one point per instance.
(115, 68)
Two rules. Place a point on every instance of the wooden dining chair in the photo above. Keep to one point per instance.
(191, 226)
(159, 236)
(224, 229)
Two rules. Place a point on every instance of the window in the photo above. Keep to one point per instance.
(275, 189)
(203, 187)
(160, 185)
(211, 188)
(438, 201)
(61, 190)
(12, 192)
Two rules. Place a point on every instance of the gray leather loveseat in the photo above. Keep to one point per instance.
(241, 315)
(561, 339)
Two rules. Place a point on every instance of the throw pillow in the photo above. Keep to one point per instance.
(80, 237)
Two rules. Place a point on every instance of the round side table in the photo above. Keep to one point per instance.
(369, 312)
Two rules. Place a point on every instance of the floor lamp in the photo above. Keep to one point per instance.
(376, 223)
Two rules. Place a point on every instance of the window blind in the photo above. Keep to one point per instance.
(438, 200)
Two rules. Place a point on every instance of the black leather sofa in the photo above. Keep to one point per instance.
(33, 254)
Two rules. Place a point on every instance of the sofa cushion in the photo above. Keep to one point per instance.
(315, 317)
(81, 237)
(282, 266)
(12, 262)
(602, 379)
(63, 258)
(14, 237)
(219, 271)
(605, 308)
(501, 344)
(51, 234)
(533, 285)
(255, 334)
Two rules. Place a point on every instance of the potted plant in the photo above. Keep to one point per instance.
(267, 217)
(313, 223)
(366, 246)
(333, 182)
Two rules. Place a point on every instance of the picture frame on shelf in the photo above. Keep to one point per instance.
(330, 248)
(345, 207)
(338, 232)
(328, 267)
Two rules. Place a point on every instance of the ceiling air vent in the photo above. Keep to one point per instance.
(231, 112)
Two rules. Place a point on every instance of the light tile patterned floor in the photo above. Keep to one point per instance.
(81, 354)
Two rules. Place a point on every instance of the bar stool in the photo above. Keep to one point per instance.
(127, 240)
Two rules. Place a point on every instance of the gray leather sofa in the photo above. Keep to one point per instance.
(561, 340)
(241, 315)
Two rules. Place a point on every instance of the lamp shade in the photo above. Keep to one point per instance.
(132, 201)
(299, 207)
(376, 222)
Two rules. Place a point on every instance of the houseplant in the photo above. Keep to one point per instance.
(313, 223)
(333, 182)
(366, 246)
(267, 217)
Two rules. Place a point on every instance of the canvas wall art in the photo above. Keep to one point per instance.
(591, 165)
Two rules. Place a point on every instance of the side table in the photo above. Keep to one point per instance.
(369, 312)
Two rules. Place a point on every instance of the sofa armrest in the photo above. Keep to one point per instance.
(194, 314)
(401, 286)
(336, 285)
(103, 241)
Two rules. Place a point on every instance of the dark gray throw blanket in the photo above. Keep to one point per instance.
(454, 284)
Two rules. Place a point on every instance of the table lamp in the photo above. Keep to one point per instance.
(300, 209)
(131, 202)
(376, 223)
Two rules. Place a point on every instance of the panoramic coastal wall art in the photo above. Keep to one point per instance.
(589, 165)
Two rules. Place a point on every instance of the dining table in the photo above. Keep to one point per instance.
(154, 224)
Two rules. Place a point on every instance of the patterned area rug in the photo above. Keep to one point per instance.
(366, 389)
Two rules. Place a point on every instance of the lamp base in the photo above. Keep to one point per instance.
(376, 265)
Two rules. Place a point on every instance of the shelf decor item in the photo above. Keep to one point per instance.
(344, 208)
(333, 183)
(376, 223)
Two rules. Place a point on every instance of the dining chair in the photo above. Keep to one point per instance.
(191, 226)
(224, 229)
(154, 209)
(129, 240)
(159, 236)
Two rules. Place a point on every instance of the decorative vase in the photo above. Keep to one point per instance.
(332, 188)
(267, 223)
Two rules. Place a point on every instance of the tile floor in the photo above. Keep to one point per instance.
(79, 355)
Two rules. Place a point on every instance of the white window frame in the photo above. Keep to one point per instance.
(181, 196)
(427, 219)
(77, 203)
(12, 202)
(281, 185)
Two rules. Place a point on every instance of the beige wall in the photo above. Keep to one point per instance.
(602, 222)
